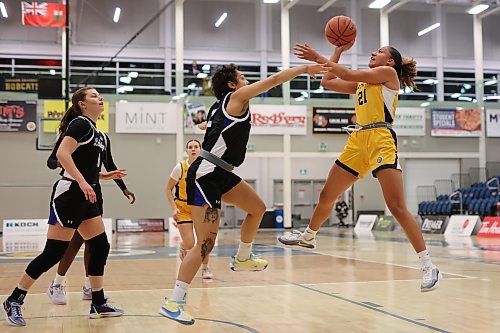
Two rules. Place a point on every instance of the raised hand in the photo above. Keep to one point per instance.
(304, 51)
(345, 47)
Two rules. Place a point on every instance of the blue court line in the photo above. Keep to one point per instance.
(372, 308)
(244, 327)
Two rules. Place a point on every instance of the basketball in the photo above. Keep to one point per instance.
(340, 30)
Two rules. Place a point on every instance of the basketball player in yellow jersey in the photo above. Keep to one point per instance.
(372, 144)
(181, 211)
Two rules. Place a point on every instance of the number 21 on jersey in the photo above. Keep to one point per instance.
(362, 97)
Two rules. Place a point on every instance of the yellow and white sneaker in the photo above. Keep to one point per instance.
(254, 263)
(175, 311)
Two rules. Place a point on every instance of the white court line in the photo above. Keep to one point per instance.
(260, 286)
(390, 264)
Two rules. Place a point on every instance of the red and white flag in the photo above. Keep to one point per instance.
(43, 14)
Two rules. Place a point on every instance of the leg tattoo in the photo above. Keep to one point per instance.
(211, 216)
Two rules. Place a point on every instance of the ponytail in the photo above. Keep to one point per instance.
(406, 68)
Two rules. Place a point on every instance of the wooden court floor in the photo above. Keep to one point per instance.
(350, 283)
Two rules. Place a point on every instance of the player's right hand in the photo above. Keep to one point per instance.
(88, 191)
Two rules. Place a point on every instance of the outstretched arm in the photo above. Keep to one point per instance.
(241, 96)
(330, 80)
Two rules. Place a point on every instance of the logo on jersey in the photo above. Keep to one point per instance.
(380, 159)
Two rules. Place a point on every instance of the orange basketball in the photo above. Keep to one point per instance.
(340, 30)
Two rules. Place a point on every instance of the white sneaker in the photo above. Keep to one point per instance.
(430, 278)
(206, 273)
(57, 294)
(295, 238)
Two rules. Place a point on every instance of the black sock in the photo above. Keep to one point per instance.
(98, 297)
(18, 295)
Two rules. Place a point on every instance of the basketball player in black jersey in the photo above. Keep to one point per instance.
(76, 205)
(210, 179)
(56, 290)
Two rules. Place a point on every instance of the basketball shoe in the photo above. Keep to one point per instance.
(105, 310)
(175, 311)
(296, 238)
(57, 294)
(254, 263)
(431, 276)
(12, 313)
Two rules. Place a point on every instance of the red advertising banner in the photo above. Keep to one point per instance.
(43, 14)
(490, 227)
(17, 116)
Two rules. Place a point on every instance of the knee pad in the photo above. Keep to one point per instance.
(99, 250)
(51, 255)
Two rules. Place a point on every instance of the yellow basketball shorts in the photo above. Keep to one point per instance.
(367, 150)
(184, 215)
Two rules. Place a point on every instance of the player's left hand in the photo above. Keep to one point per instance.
(130, 195)
(115, 174)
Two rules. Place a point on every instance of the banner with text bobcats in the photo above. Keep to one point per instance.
(55, 110)
(17, 116)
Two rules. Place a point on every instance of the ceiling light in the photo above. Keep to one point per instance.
(490, 82)
(133, 75)
(300, 99)
(270, 1)
(319, 90)
(430, 81)
(424, 104)
(205, 68)
(428, 29)
(478, 9)
(455, 95)
(52, 72)
(126, 79)
(221, 19)
(116, 17)
(465, 98)
(3, 10)
(379, 3)
(201, 75)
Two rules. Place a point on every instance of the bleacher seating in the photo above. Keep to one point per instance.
(478, 199)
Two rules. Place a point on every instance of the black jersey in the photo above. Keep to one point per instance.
(226, 135)
(106, 160)
(91, 146)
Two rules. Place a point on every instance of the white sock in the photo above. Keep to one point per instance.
(87, 282)
(58, 280)
(425, 259)
(180, 291)
(309, 234)
(244, 251)
(22, 288)
(96, 289)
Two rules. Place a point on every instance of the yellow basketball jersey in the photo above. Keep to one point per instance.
(375, 103)
(180, 188)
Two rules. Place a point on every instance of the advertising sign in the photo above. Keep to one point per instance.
(462, 225)
(365, 222)
(56, 109)
(25, 227)
(409, 122)
(384, 223)
(154, 118)
(490, 227)
(139, 225)
(456, 122)
(434, 224)
(493, 123)
(17, 116)
(332, 119)
(19, 83)
(279, 119)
